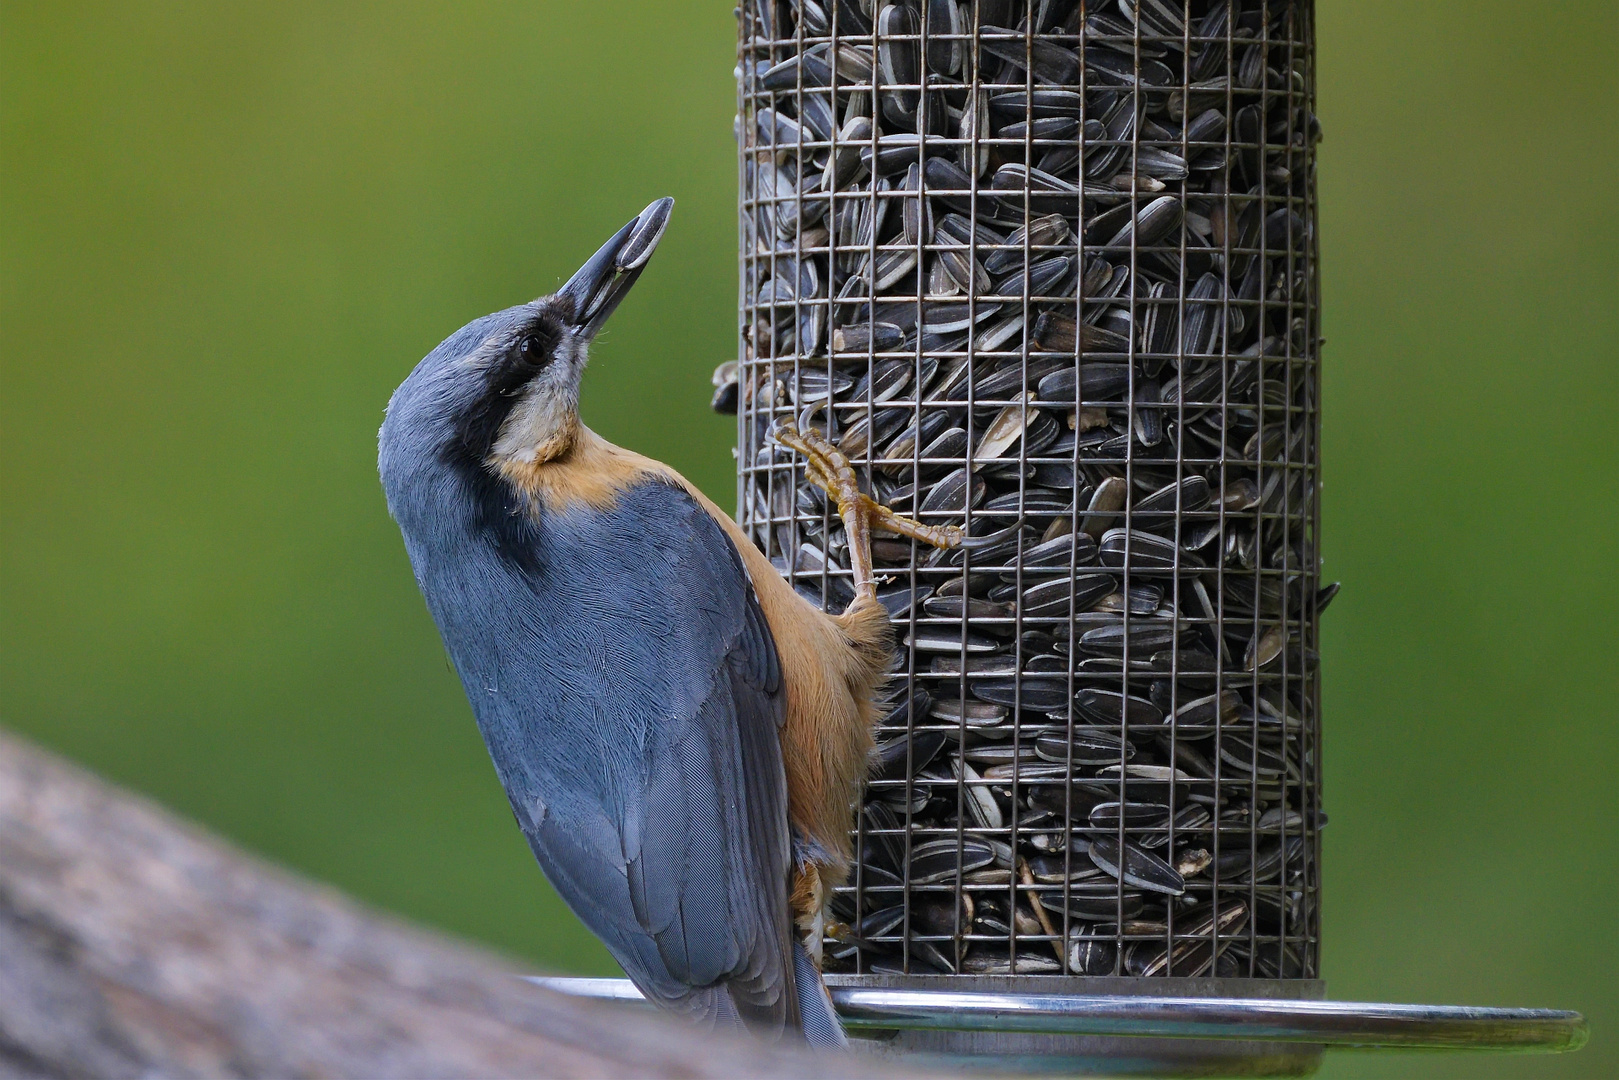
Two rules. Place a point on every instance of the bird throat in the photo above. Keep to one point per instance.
(537, 430)
(587, 471)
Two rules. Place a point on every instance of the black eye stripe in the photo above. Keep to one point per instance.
(506, 378)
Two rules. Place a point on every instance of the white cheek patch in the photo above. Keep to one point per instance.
(535, 421)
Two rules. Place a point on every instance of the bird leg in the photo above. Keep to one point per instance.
(828, 469)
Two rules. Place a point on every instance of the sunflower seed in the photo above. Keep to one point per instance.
(951, 494)
(938, 860)
(1042, 233)
(1110, 707)
(1135, 866)
(1142, 550)
(1056, 598)
(1095, 899)
(1091, 955)
(1085, 746)
(1047, 61)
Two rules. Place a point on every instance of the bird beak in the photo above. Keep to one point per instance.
(599, 285)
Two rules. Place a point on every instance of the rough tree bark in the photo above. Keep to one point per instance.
(131, 944)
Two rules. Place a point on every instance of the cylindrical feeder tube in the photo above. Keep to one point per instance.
(1048, 271)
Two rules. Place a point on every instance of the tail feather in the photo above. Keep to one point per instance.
(711, 1008)
(815, 1012)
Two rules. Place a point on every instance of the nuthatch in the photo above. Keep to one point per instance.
(681, 736)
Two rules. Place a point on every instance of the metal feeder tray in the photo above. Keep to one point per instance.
(1080, 1028)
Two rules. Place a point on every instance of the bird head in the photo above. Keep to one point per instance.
(504, 389)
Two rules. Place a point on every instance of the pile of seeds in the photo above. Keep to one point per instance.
(1047, 270)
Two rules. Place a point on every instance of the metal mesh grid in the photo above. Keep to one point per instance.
(1048, 270)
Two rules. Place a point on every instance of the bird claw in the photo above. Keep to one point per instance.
(829, 469)
(989, 540)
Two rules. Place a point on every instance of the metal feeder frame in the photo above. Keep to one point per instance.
(1234, 998)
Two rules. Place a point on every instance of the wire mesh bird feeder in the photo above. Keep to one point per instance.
(1048, 270)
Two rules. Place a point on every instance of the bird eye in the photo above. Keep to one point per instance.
(532, 349)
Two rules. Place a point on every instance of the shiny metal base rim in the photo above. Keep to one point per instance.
(1367, 1025)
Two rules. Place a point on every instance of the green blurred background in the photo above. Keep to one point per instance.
(228, 232)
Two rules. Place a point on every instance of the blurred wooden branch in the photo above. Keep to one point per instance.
(131, 944)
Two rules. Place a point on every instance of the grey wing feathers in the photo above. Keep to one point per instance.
(687, 880)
